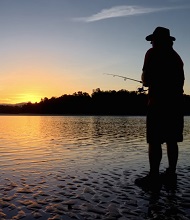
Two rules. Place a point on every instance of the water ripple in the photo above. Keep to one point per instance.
(83, 168)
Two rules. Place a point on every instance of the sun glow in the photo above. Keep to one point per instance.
(29, 97)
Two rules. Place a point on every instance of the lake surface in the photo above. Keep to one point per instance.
(88, 163)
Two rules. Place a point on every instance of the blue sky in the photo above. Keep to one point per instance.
(52, 47)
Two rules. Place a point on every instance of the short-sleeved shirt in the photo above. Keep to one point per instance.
(163, 71)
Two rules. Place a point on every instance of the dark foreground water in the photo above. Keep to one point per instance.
(73, 167)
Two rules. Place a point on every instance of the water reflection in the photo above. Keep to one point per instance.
(67, 157)
(31, 138)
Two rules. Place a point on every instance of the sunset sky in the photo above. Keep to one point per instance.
(55, 47)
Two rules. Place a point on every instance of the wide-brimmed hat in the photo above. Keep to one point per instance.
(160, 33)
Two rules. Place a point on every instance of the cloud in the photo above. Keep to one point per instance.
(122, 11)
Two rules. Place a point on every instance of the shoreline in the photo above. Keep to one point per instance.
(92, 195)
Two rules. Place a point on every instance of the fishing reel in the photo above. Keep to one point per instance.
(141, 90)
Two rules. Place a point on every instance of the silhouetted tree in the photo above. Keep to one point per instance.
(100, 102)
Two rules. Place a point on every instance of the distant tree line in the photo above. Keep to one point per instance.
(100, 102)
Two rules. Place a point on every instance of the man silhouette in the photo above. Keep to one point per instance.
(163, 74)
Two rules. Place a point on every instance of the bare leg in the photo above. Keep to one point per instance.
(152, 180)
(172, 152)
(155, 156)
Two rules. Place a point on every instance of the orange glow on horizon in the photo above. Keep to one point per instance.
(29, 98)
(21, 98)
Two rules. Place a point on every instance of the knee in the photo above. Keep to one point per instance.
(155, 146)
(172, 146)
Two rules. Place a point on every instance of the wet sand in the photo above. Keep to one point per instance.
(91, 194)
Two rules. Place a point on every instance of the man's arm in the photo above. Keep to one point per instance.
(144, 79)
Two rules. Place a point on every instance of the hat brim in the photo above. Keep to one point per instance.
(151, 38)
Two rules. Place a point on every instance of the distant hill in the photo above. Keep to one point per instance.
(17, 104)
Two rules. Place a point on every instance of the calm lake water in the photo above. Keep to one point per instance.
(50, 142)
(47, 149)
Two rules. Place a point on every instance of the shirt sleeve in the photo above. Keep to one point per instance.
(145, 77)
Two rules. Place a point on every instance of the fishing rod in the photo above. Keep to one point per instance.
(141, 89)
(123, 77)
